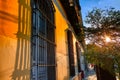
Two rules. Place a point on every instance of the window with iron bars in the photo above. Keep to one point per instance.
(71, 53)
(78, 51)
(43, 41)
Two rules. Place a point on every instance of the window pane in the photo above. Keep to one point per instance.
(42, 26)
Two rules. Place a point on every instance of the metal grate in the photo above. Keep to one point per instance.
(78, 51)
(71, 53)
(43, 41)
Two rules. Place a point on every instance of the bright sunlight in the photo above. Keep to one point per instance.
(107, 39)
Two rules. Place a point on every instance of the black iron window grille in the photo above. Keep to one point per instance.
(43, 41)
(78, 51)
(71, 53)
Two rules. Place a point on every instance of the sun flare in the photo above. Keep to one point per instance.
(107, 39)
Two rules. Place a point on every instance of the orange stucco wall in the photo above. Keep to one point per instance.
(14, 39)
(61, 52)
(61, 42)
(15, 25)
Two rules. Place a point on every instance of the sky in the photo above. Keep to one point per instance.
(88, 5)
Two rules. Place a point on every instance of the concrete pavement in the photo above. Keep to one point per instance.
(91, 75)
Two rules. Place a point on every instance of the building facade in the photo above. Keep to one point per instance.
(38, 40)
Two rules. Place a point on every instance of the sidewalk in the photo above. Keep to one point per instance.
(91, 75)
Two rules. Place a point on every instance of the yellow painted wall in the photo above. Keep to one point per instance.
(61, 42)
(75, 59)
(15, 25)
(61, 53)
(15, 39)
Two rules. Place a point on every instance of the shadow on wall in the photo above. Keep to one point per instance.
(65, 78)
(22, 61)
(6, 17)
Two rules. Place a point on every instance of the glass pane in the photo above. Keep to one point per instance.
(42, 27)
